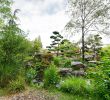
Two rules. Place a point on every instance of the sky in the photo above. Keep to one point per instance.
(41, 17)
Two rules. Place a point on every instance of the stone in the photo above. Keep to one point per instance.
(77, 65)
(65, 71)
(93, 62)
(78, 73)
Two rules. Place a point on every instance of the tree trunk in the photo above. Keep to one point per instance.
(83, 45)
(83, 31)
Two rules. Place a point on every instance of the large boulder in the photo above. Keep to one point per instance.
(77, 65)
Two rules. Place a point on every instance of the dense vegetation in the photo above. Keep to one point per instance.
(24, 63)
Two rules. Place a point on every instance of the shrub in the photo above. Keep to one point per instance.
(76, 86)
(17, 85)
(30, 75)
(7, 73)
(102, 89)
(56, 61)
(101, 76)
(67, 63)
(51, 76)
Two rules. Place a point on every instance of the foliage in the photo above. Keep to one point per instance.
(57, 61)
(17, 85)
(54, 46)
(93, 45)
(101, 77)
(105, 52)
(30, 75)
(67, 63)
(51, 76)
(61, 61)
(37, 44)
(13, 50)
(93, 42)
(76, 86)
(5, 11)
(68, 48)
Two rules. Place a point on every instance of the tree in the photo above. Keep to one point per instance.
(37, 44)
(93, 44)
(68, 48)
(56, 39)
(5, 11)
(13, 49)
(87, 16)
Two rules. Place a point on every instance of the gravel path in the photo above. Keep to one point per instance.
(31, 95)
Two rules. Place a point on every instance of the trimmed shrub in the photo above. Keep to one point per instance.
(51, 76)
(76, 86)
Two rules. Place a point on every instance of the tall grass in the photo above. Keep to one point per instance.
(76, 85)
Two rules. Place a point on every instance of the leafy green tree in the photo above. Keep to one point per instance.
(68, 48)
(37, 44)
(5, 10)
(87, 16)
(13, 49)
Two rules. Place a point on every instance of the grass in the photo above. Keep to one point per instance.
(54, 92)
(68, 96)
(3, 92)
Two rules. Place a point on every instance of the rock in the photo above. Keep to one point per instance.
(65, 71)
(93, 62)
(78, 73)
(77, 65)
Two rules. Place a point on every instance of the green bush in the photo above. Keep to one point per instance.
(7, 73)
(30, 75)
(76, 86)
(101, 77)
(51, 76)
(67, 63)
(102, 89)
(57, 61)
(17, 85)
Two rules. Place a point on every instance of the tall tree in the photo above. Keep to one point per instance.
(13, 47)
(87, 16)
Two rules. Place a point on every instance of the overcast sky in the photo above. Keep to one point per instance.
(41, 17)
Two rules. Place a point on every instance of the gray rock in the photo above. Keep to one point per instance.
(77, 65)
(65, 71)
(78, 73)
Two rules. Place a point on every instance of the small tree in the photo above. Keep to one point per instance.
(68, 48)
(37, 44)
(56, 39)
(93, 44)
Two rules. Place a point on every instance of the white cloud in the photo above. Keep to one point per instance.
(41, 17)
